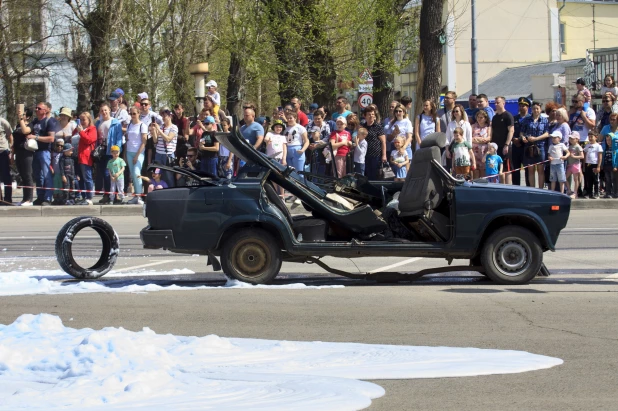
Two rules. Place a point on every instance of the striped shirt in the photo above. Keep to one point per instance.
(167, 148)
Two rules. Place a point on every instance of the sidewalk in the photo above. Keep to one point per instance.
(136, 210)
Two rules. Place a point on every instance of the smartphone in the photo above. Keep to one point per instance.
(152, 120)
(586, 106)
(279, 108)
(21, 108)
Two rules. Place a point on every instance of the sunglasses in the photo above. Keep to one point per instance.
(59, 145)
(607, 101)
(144, 104)
(39, 108)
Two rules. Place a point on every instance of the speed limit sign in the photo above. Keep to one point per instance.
(365, 99)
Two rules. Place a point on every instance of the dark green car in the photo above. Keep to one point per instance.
(243, 223)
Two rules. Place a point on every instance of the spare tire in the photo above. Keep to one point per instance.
(109, 250)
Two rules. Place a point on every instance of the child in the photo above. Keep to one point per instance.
(67, 173)
(399, 159)
(226, 158)
(211, 86)
(340, 141)
(592, 165)
(156, 183)
(558, 152)
(360, 151)
(493, 164)
(56, 155)
(116, 174)
(462, 155)
(609, 86)
(276, 143)
(610, 165)
(574, 167)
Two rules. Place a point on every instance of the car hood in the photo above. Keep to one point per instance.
(521, 189)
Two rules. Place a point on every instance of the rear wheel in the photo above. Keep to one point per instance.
(512, 255)
(252, 256)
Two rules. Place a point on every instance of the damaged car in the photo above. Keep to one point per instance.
(246, 229)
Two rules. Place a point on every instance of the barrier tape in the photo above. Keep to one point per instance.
(14, 185)
(524, 167)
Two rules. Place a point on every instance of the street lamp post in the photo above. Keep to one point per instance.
(199, 71)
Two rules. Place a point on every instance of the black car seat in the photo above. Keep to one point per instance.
(423, 192)
(306, 229)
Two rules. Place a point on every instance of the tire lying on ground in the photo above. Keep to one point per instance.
(109, 249)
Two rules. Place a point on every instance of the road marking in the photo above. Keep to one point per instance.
(399, 264)
(54, 237)
(590, 229)
(143, 266)
(612, 277)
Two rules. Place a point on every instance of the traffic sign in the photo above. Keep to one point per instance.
(365, 99)
(365, 88)
(366, 77)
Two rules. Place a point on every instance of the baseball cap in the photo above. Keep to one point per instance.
(114, 148)
(580, 81)
(211, 83)
(313, 106)
(113, 96)
(556, 133)
(209, 120)
(67, 147)
(260, 120)
(142, 95)
(157, 171)
(341, 119)
(575, 134)
(119, 91)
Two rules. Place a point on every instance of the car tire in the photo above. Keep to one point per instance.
(109, 249)
(512, 255)
(252, 256)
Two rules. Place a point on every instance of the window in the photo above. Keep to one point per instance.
(563, 37)
(24, 21)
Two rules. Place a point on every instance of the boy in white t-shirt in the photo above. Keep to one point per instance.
(592, 165)
(558, 153)
(360, 151)
(211, 86)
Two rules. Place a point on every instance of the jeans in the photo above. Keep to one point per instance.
(24, 168)
(5, 175)
(209, 165)
(87, 183)
(296, 159)
(136, 171)
(222, 170)
(102, 175)
(42, 174)
(359, 168)
(372, 164)
(611, 180)
(167, 176)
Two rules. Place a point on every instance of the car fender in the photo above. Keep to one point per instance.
(270, 223)
(528, 219)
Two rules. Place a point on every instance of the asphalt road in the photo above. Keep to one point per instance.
(570, 315)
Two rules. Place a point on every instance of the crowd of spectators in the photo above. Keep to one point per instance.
(570, 149)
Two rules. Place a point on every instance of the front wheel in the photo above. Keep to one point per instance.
(252, 256)
(512, 255)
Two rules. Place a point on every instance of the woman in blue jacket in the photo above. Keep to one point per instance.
(609, 142)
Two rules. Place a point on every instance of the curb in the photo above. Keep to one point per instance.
(136, 210)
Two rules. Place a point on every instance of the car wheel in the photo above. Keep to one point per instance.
(512, 255)
(251, 256)
(109, 249)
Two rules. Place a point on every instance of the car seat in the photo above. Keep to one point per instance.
(423, 191)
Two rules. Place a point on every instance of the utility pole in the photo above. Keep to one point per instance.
(475, 71)
(594, 30)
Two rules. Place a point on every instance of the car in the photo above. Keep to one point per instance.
(246, 229)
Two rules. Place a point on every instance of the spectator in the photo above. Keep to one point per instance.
(518, 150)
(156, 183)
(502, 130)
(400, 125)
(426, 122)
(87, 141)
(197, 128)
(376, 142)
(226, 158)
(387, 120)
(608, 107)
(483, 104)
(297, 142)
(116, 166)
(6, 150)
(56, 155)
(610, 162)
(147, 116)
(574, 168)
(66, 126)
(583, 119)
(251, 130)
(137, 136)
(215, 97)
(472, 108)
(276, 143)
(459, 119)
(360, 151)
(609, 86)
(209, 104)
(557, 154)
(23, 156)
(109, 133)
(561, 124)
(534, 133)
(592, 165)
(493, 164)
(312, 108)
(481, 137)
(582, 90)
(118, 112)
(341, 141)
(319, 135)
(42, 130)
(165, 139)
(300, 115)
(191, 163)
(445, 114)
(209, 148)
(67, 173)
(182, 124)
(461, 154)
(399, 159)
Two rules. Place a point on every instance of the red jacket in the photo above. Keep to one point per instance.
(87, 140)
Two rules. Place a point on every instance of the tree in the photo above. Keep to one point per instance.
(429, 75)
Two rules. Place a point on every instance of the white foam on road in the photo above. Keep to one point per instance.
(45, 365)
(54, 282)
